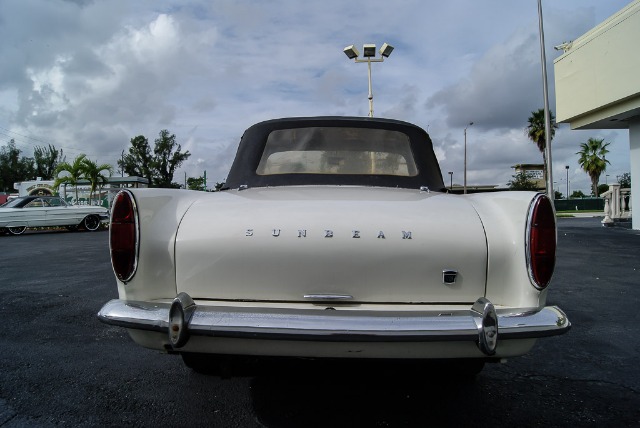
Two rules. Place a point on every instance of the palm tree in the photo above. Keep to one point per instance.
(593, 160)
(535, 132)
(75, 172)
(93, 173)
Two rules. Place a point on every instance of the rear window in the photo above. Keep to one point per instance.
(337, 150)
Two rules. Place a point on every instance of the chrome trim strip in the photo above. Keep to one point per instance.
(328, 297)
(527, 238)
(137, 237)
(337, 325)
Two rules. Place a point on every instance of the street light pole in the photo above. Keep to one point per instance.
(465, 157)
(370, 89)
(369, 52)
(451, 176)
(567, 168)
(547, 116)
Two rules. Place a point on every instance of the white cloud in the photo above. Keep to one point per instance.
(89, 76)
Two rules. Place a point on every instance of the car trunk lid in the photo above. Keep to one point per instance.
(304, 244)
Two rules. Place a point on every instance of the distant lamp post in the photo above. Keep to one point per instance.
(547, 114)
(465, 156)
(369, 52)
(451, 181)
(567, 168)
(606, 179)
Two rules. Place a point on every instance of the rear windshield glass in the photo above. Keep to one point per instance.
(336, 150)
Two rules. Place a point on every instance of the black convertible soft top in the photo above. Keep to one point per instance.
(247, 166)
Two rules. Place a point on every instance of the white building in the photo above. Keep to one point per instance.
(598, 84)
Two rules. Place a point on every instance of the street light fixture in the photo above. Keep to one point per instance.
(369, 52)
(465, 157)
(386, 50)
(351, 52)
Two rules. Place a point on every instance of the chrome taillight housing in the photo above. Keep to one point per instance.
(541, 241)
(124, 236)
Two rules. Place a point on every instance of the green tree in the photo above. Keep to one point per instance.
(602, 188)
(167, 158)
(139, 161)
(577, 194)
(522, 181)
(196, 183)
(13, 167)
(46, 160)
(593, 160)
(74, 173)
(625, 180)
(536, 133)
(557, 194)
(157, 166)
(219, 185)
(94, 173)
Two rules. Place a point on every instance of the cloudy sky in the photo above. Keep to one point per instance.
(87, 76)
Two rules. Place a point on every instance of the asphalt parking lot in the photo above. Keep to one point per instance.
(60, 366)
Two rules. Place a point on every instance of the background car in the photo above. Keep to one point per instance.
(334, 238)
(18, 214)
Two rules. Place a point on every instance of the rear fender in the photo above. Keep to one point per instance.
(160, 212)
(504, 217)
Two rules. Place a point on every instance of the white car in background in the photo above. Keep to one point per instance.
(18, 214)
(334, 237)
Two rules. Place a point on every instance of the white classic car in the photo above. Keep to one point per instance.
(334, 237)
(18, 214)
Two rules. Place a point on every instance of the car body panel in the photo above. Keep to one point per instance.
(303, 241)
(504, 220)
(160, 212)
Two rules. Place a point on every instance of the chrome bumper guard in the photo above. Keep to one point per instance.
(481, 324)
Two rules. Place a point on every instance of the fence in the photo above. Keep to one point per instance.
(583, 204)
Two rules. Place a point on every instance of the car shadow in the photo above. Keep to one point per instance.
(49, 231)
(364, 393)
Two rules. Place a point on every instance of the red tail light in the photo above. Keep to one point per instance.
(541, 241)
(123, 236)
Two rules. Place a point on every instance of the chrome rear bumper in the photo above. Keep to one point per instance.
(189, 319)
